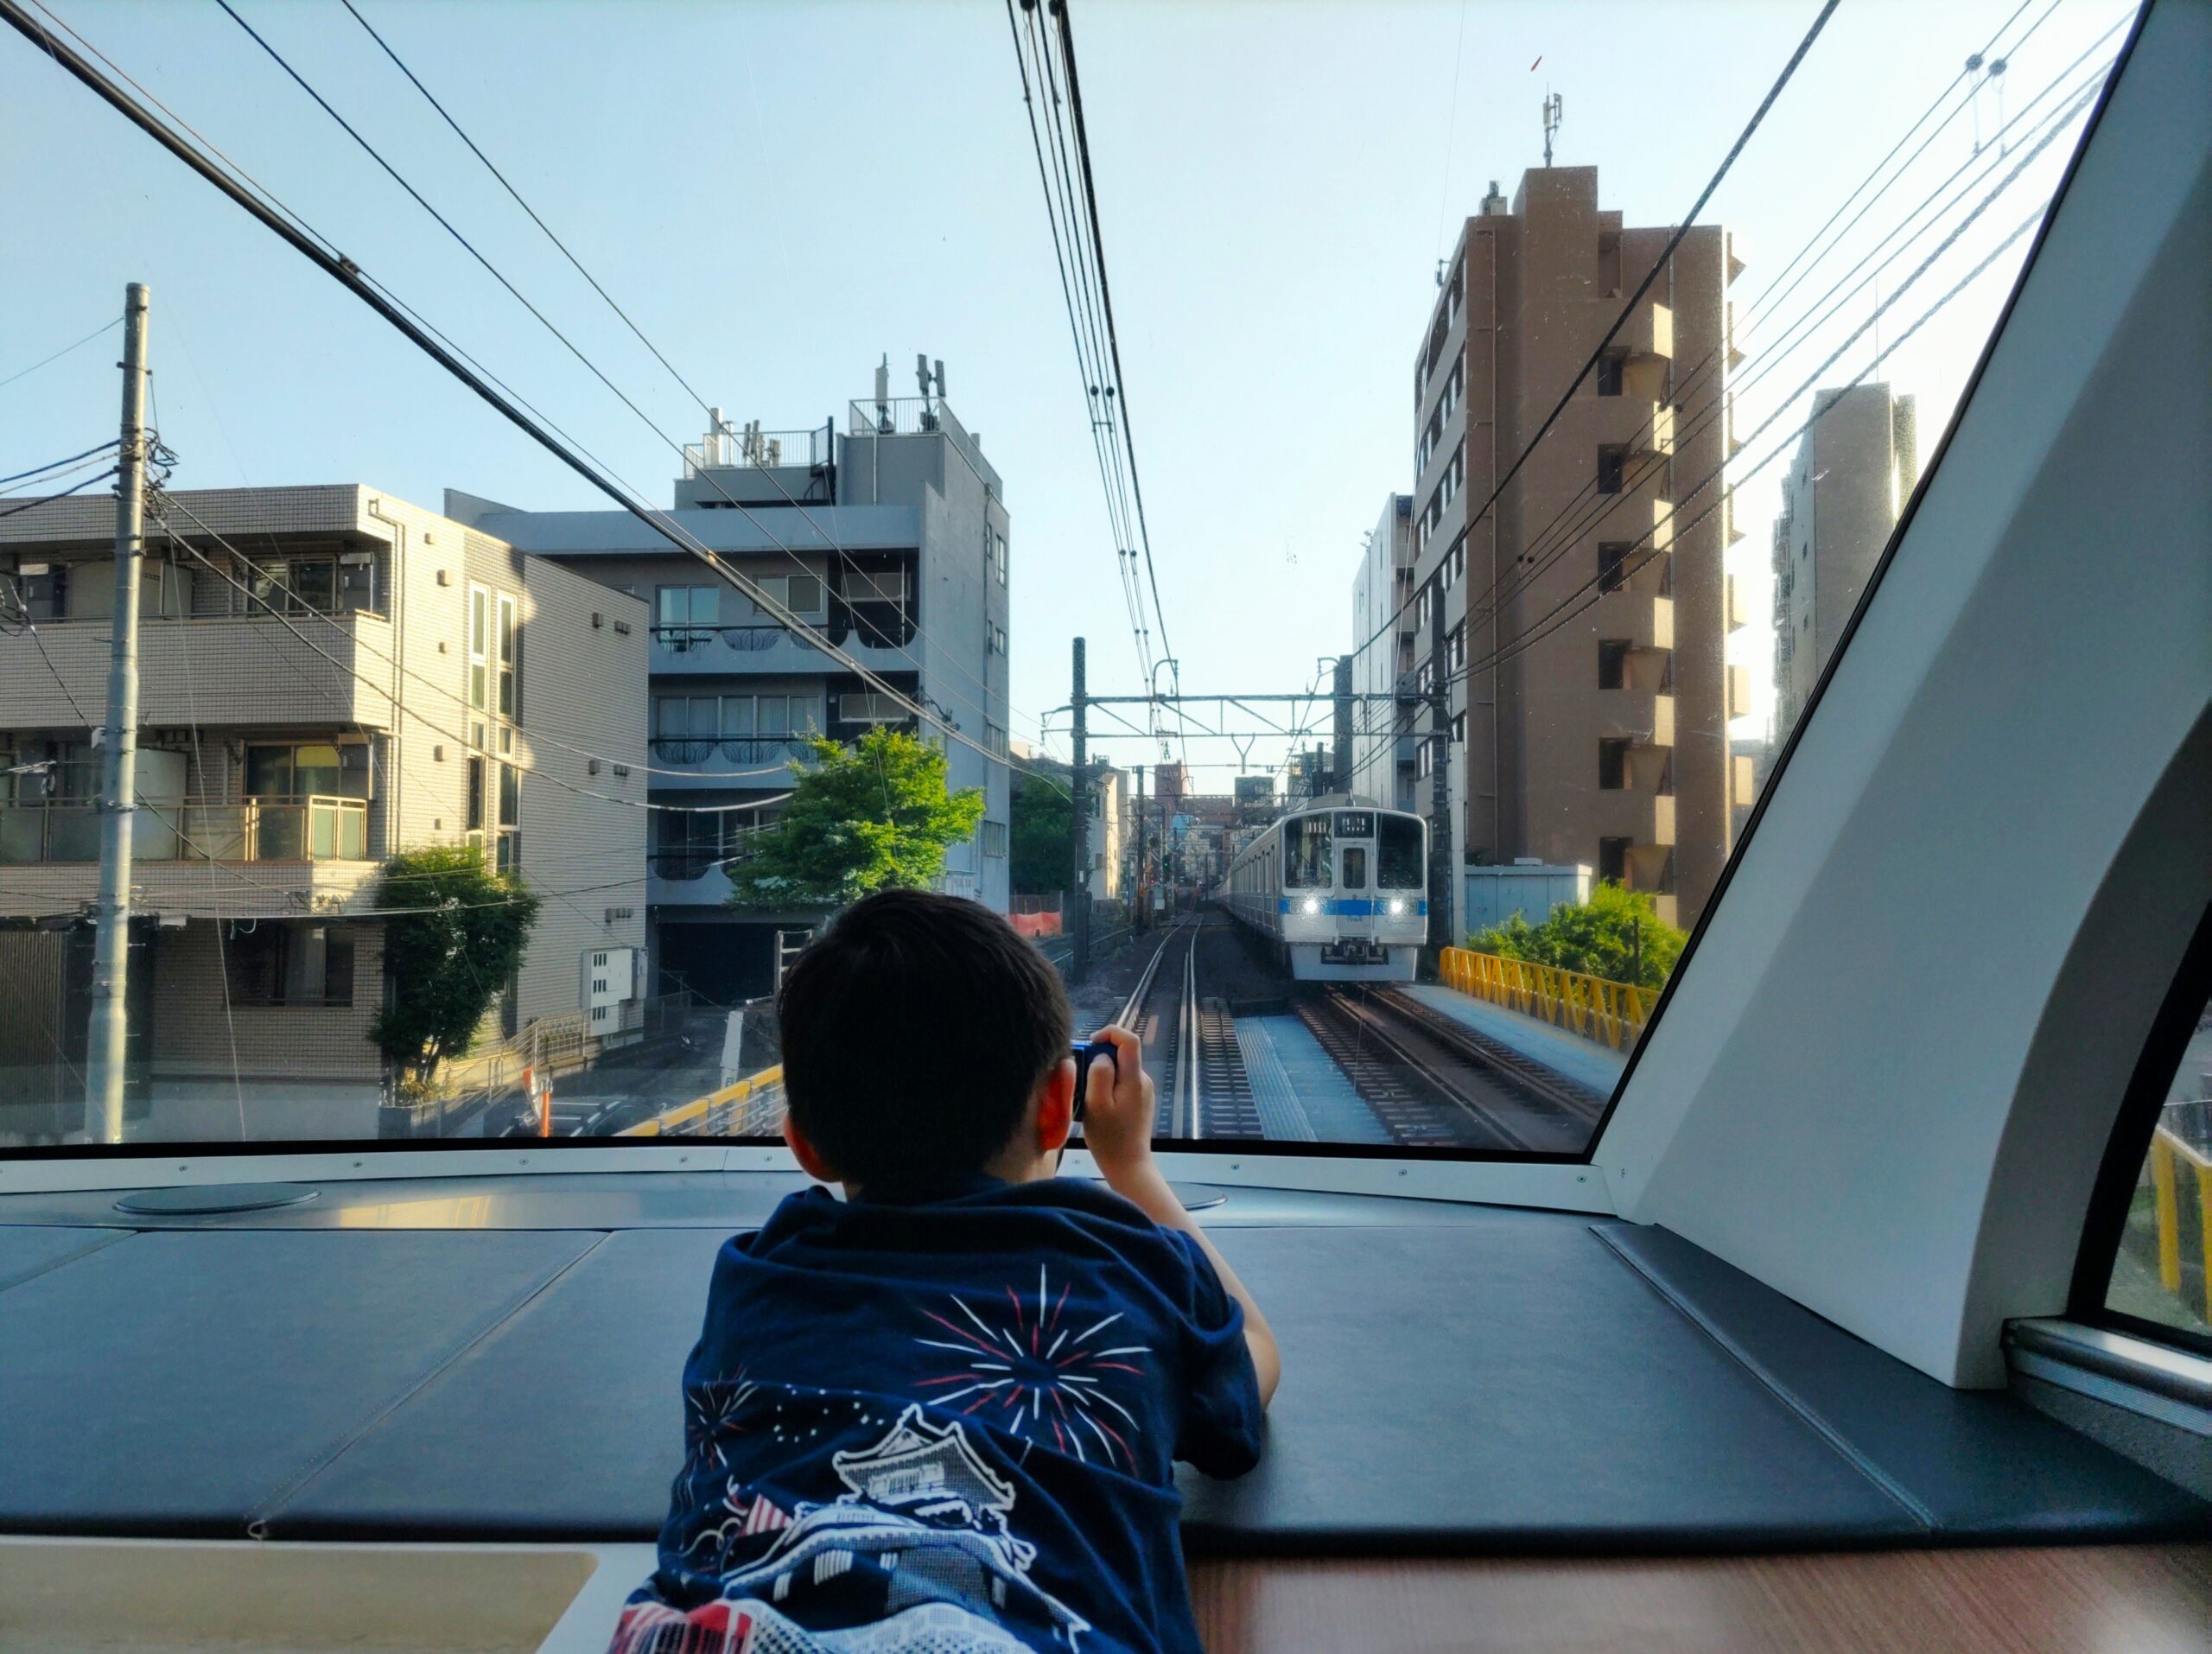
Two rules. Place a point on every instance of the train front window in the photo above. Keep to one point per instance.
(1398, 854)
(1351, 871)
(1305, 853)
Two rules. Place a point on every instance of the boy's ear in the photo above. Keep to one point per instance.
(1055, 1106)
(810, 1158)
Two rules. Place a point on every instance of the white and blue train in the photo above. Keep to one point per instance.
(1340, 888)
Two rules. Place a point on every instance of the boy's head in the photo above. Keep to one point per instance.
(916, 1031)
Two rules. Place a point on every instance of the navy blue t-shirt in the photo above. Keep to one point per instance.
(947, 1426)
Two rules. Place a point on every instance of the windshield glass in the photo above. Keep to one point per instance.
(488, 775)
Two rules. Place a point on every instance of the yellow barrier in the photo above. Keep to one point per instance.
(752, 1108)
(1611, 1013)
(2167, 1150)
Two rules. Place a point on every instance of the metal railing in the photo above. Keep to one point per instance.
(310, 828)
(752, 1108)
(1611, 1013)
(749, 750)
(906, 416)
(2183, 1138)
(750, 638)
(750, 447)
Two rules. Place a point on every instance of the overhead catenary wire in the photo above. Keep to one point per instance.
(983, 708)
(25, 372)
(349, 275)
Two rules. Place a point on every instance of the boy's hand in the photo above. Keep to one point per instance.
(1118, 1109)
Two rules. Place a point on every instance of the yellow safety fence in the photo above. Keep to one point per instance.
(1611, 1013)
(2168, 1153)
(752, 1108)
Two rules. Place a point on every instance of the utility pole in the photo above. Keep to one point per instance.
(1079, 901)
(106, 1043)
(1142, 898)
(1342, 757)
(1441, 869)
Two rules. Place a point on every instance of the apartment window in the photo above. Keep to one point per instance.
(1613, 664)
(273, 961)
(1459, 729)
(1460, 559)
(998, 556)
(1459, 646)
(994, 839)
(479, 648)
(800, 594)
(290, 770)
(1610, 463)
(475, 821)
(882, 586)
(995, 637)
(507, 637)
(870, 707)
(1612, 859)
(42, 590)
(507, 857)
(686, 606)
(1608, 372)
(1613, 560)
(1612, 765)
(995, 738)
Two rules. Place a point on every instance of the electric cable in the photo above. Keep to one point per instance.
(24, 372)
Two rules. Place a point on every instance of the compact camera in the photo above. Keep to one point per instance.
(1085, 1052)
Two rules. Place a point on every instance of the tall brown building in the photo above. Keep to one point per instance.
(1580, 624)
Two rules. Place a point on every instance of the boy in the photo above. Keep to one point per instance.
(940, 1414)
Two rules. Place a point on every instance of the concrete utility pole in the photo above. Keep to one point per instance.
(1441, 871)
(1078, 902)
(1139, 907)
(106, 1044)
(1342, 757)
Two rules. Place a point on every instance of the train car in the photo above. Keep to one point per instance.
(1339, 887)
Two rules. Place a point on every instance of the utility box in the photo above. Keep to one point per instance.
(610, 983)
(1531, 889)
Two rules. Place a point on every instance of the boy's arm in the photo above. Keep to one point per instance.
(1118, 1103)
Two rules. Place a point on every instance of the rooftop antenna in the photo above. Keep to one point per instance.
(922, 370)
(1551, 123)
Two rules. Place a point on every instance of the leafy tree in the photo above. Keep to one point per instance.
(1617, 934)
(869, 815)
(1040, 855)
(456, 935)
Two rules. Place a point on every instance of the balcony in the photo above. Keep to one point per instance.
(228, 670)
(1734, 614)
(726, 760)
(686, 879)
(308, 829)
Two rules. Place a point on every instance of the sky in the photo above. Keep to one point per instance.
(780, 195)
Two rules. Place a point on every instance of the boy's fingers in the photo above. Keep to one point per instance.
(1131, 1048)
(1098, 1084)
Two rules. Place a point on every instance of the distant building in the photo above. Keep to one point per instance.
(1385, 738)
(1855, 466)
(1578, 628)
(891, 537)
(328, 675)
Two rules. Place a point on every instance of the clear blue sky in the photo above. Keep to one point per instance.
(781, 193)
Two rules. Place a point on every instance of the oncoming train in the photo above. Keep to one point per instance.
(1340, 888)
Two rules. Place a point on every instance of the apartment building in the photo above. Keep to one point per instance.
(1854, 467)
(1580, 626)
(1385, 744)
(890, 536)
(328, 675)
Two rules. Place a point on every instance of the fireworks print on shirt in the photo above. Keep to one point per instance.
(1027, 1372)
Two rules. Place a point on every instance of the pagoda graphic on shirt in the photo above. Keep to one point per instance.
(922, 1524)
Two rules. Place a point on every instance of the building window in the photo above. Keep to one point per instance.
(1610, 462)
(1608, 372)
(479, 648)
(997, 556)
(271, 962)
(1459, 729)
(507, 858)
(507, 639)
(326, 584)
(678, 606)
(994, 839)
(1613, 558)
(1459, 646)
(1613, 664)
(995, 637)
(475, 821)
(800, 594)
(1612, 859)
(1612, 765)
(995, 738)
(870, 707)
(41, 591)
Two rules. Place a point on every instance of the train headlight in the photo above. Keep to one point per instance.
(1311, 905)
(1397, 907)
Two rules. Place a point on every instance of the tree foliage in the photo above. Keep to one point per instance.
(456, 938)
(867, 816)
(1041, 859)
(1617, 934)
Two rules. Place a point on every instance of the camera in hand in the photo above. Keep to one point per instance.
(1086, 1051)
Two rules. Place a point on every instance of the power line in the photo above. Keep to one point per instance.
(22, 373)
(63, 465)
(349, 275)
(47, 499)
(1628, 310)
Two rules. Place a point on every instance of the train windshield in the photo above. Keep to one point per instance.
(1397, 861)
(1305, 853)
(1353, 873)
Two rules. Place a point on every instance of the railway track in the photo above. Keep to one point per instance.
(1190, 1043)
(1433, 1083)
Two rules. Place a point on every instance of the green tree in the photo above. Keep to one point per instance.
(867, 816)
(1041, 859)
(1617, 934)
(456, 935)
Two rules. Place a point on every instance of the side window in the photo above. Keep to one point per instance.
(2162, 1274)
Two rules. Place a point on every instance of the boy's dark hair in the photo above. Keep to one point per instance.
(914, 1030)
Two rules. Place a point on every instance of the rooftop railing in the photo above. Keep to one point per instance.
(752, 448)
